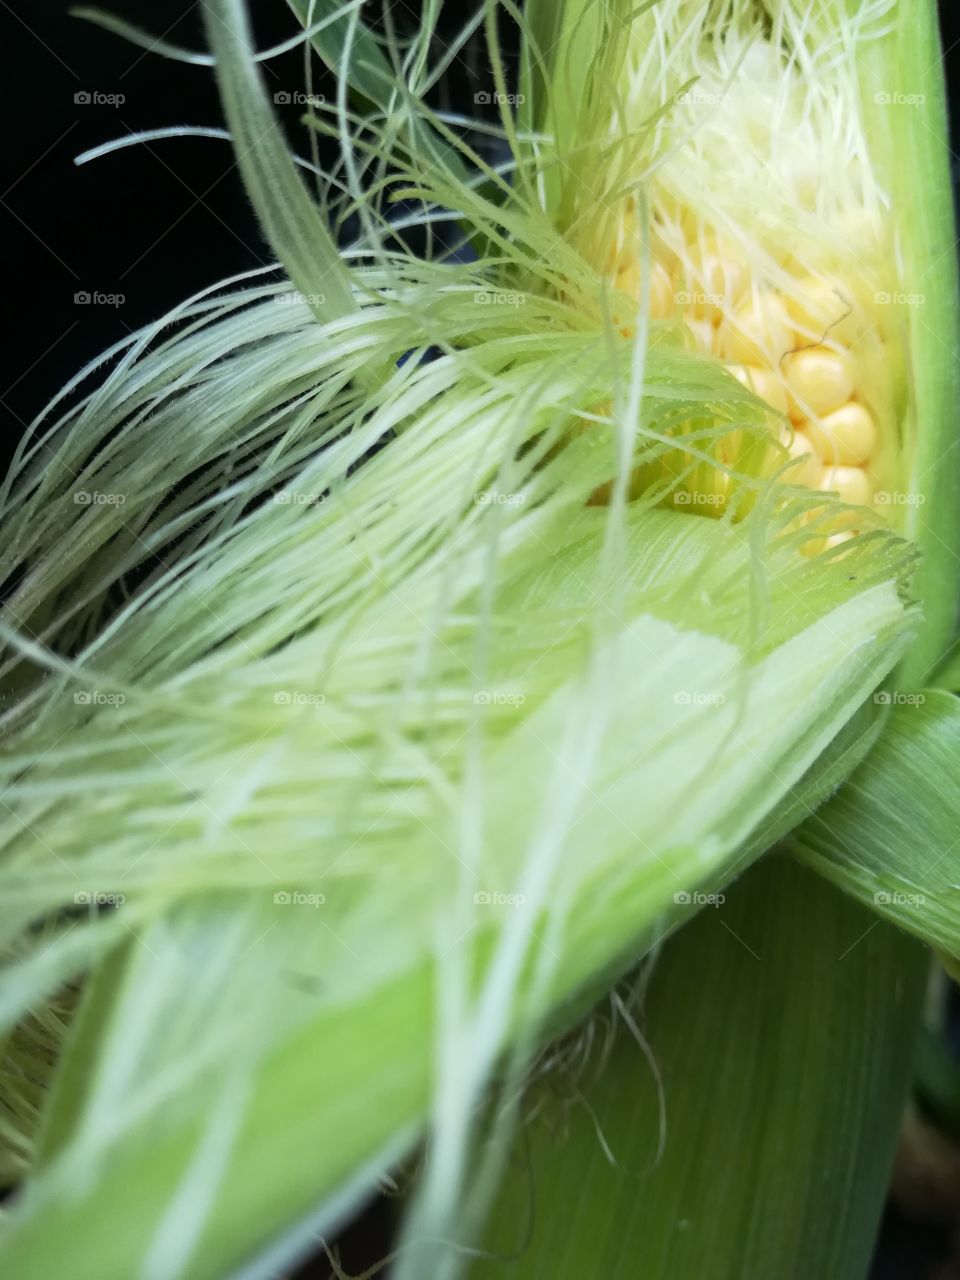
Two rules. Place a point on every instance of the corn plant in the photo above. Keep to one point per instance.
(483, 720)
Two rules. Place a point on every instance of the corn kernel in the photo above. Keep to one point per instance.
(806, 468)
(763, 383)
(821, 312)
(847, 437)
(851, 483)
(757, 333)
(819, 381)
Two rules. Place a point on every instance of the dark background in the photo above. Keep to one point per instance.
(160, 221)
(153, 223)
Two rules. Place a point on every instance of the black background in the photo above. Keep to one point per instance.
(153, 223)
(160, 221)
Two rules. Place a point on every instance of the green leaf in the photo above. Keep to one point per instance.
(905, 72)
(290, 219)
(948, 675)
(779, 1028)
(889, 836)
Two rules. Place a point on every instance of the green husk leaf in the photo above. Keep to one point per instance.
(290, 219)
(889, 835)
(948, 675)
(778, 1040)
(905, 96)
(135, 1106)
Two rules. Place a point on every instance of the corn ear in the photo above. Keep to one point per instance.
(398, 722)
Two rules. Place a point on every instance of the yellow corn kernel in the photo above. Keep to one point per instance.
(847, 437)
(819, 381)
(806, 468)
(758, 333)
(763, 383)
(851, 483)
(821, 312)
(790, 344)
